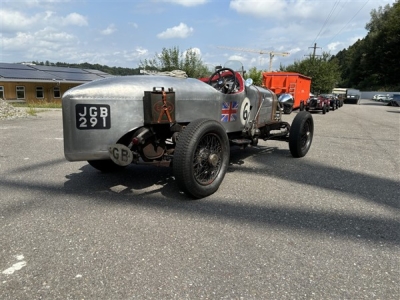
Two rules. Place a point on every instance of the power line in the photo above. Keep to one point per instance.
(340, 31)
(327, 18)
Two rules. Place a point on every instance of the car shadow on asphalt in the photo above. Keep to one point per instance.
(371, 188)
(373, 103)
(155, 187)
(143, 185)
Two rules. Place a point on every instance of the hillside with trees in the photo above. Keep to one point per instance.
(370, 64)
(110, 70)
(373, 62)
(324, 71)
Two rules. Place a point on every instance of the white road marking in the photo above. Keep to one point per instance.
(15, 267)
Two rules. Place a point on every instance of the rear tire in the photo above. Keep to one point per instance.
(301, 134)
(201, 158)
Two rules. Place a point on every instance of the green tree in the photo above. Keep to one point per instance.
(172, 59)
(256, 75)
(323, 70)
(193, 65)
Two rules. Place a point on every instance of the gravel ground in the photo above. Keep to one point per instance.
(8, 112)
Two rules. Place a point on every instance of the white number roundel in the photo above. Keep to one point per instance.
(245, 111)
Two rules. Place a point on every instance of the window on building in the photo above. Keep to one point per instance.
(1, 92)
(20, 92)
(56, 92)
(39, 92)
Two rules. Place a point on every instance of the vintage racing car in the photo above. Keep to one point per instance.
(176, 121)
(321, 103)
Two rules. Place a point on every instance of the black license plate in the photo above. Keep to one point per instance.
(93, 116)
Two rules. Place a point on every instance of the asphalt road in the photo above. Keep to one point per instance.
(326, 226)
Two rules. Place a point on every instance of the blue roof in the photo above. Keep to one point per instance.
(39, 73)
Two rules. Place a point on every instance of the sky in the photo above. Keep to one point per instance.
(122, 33)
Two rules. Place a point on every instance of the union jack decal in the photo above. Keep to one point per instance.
(229, 111)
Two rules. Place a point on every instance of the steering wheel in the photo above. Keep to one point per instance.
(222, 81)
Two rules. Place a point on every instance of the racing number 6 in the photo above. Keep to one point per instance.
(245, 111)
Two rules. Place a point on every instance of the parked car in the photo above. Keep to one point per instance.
(377, 97)
(171, 120)
(318, 103)
(340, 99)
(395, 100)
(381, 98)
(352, 96)
(333, 101)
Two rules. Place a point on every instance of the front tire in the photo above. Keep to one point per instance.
(301, 134)
(201, 158)
(287, 109)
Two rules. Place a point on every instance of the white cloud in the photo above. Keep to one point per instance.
(237, 57)
(46, 44)
(109, 30)
(134, 25)
(181, 31)
(75, 19)
(33, 3)
(187, 2)
(333, 47)
(297, 11)
(194, 50)
(294, 50)
(142, 51)
(279, 9)
(53, 36)
(354, 39)
(134, 55)
(16, 21)
(48, 15)
(258, 8)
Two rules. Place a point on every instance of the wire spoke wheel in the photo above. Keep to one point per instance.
(207, 159)
(201, 157)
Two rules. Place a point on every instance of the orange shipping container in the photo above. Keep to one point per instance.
(296, 84)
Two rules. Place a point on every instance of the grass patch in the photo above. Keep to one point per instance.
(35, 105)
(31, 111)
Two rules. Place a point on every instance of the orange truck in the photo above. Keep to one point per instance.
(295, 84)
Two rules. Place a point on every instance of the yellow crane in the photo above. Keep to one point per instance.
(271, 53)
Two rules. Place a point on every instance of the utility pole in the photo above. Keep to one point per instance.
(315, 48)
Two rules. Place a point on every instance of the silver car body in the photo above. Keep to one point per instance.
(194, 99)
(186, 123)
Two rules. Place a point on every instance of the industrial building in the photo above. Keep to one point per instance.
(33, 83)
